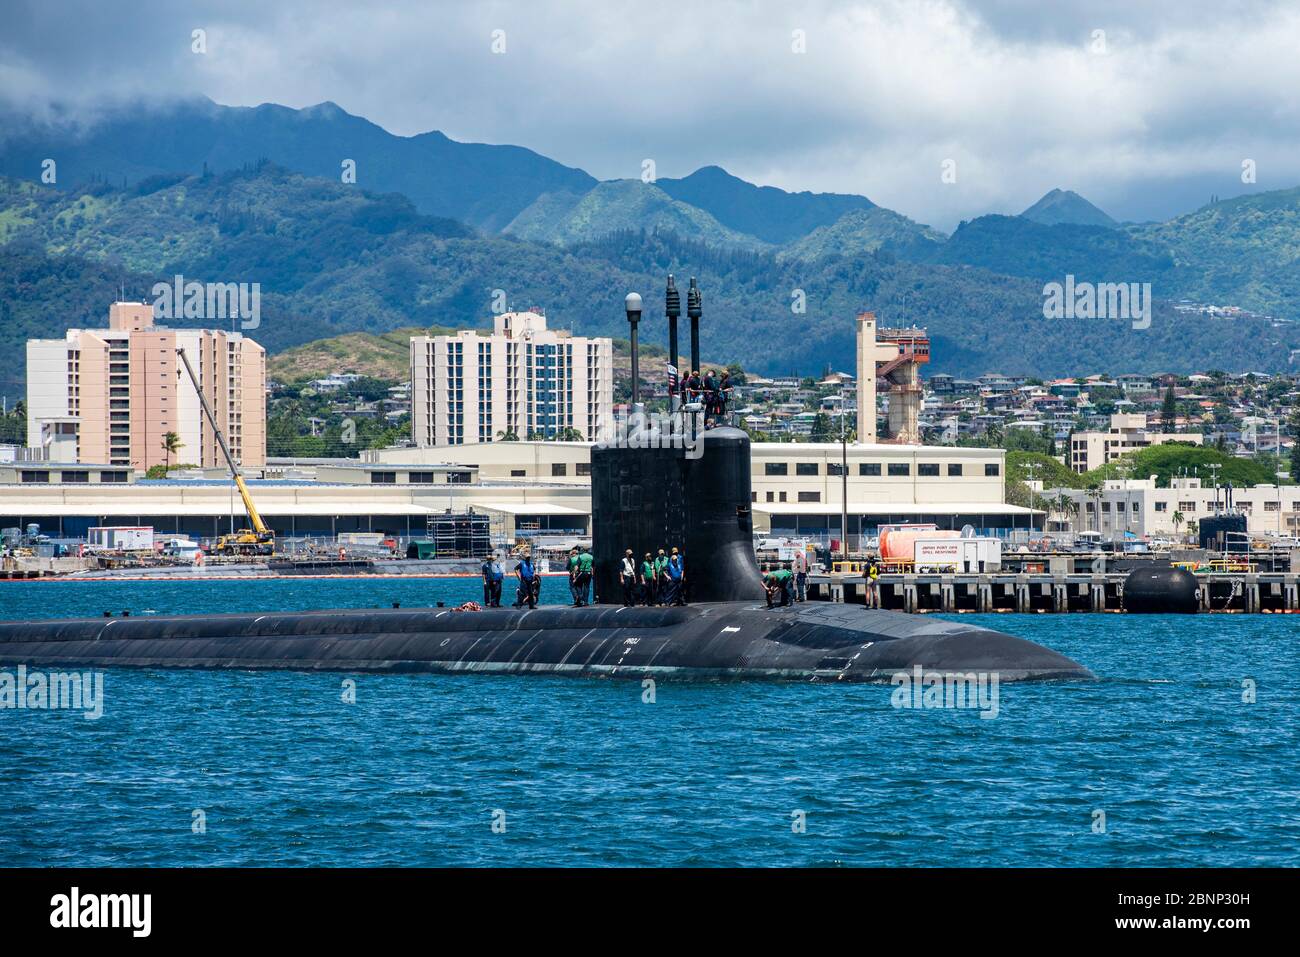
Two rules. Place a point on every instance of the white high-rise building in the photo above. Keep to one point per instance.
(523, 380)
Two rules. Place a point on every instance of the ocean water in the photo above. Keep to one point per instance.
(584, 772)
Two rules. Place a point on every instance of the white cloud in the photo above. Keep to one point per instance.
(886, 91)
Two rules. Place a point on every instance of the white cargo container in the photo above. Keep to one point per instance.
(361, 539)
(958, 555)
(120, 538)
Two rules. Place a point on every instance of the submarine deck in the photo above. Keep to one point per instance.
(811, 641)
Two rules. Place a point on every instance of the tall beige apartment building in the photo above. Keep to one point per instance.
(524, 379)
(110, 396)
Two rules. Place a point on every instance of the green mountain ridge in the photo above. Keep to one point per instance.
(1066, 206)
(418, 241)
(765, 212)
(486, 186)
(483, 185)
(1238, 252)
(617, 205)
(866, 231)
(1016, 246)
(1243, 251)
(333, 259)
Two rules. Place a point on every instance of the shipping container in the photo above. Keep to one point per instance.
(120, 538)
(963, 555)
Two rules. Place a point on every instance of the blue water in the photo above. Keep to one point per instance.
(286, 773)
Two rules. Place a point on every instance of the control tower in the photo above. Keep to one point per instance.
(890, 359)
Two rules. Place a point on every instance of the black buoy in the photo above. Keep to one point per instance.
(1161, 590)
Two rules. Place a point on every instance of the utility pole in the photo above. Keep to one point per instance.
(1277, 470)
(1128, 499)
(1032, 468)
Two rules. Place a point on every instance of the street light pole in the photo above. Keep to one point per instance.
(632, 304)
(844, 481)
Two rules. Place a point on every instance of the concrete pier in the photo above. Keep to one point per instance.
(1254, 593)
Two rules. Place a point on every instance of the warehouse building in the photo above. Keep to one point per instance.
(1137, 507)
(396, 501)
(528, 489)
(797, 487)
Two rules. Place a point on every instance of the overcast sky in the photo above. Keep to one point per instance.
(1147, 118)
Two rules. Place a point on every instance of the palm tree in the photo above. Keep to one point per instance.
(171, 444)
(1178, 521)
(1065, 506)
(1094, 493)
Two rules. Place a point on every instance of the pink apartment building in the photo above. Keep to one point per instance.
(109, 396)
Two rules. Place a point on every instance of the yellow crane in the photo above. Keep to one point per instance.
(258, 540)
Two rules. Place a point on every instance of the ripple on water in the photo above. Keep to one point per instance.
(584, 773)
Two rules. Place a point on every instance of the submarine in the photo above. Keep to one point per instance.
(658, 482)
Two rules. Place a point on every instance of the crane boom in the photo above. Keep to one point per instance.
(258, 525)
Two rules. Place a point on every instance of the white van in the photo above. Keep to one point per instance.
(180, 548)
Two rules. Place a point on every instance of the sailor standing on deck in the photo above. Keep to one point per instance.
(585, 565)
(529, 583)
(801, 574)
(676, 571)
(693, 387)
(492, 577)
(710, 392)
(573, 575)
(627, 578)
(661, 577)
(648, 596)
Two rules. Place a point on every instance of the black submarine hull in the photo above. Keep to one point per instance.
(736, 640)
